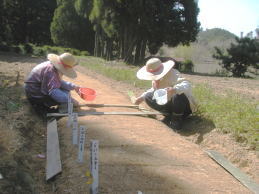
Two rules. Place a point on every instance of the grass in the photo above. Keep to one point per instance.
(229, 112)
(116, 71)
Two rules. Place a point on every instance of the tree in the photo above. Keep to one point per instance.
(239, 57)
(131, 26)
(26, 20)
(257, 33)
(70, 29)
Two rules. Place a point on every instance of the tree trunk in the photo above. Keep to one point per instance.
(137, 52)
(96, 44)
(108, 53)
(143, 49)
(121, 53)
(129, 57)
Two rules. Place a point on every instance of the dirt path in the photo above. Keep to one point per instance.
(136, 153)
(139, 154)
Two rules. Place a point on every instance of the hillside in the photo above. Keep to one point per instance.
(200, 52)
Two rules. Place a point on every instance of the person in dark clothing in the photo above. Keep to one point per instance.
(177, 101)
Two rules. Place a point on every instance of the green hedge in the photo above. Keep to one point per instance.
(39, 50)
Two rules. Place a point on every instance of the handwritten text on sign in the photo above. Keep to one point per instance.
(94, 165)
(69, 110)
(75, 129)
(81, 145)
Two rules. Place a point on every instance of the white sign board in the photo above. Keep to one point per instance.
(81, 145)
(69, 110)
(94, 151)
(74, 129)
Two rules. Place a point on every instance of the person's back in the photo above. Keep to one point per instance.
(44, 86)
(35, 84)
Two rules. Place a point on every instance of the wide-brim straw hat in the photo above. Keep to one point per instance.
(154, 69)
(64, 63)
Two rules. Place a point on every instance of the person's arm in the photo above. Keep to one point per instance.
(182, 87)
(61, 96)
(51, 84)
(138, 100)
(67, 85)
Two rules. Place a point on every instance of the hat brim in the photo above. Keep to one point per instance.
(143, 74)
(55, 60)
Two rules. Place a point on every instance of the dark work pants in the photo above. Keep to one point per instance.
(42, 106)
(178, 106)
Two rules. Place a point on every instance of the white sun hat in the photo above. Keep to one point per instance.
(154, 69)
(64, 63)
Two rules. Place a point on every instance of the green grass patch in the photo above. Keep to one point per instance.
(230, 113)
(116, 71)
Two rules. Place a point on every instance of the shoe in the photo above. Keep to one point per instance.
(57, 118)
(53, 110)
(176, 123)
(167, 120)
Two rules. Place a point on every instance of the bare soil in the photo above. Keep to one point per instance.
(136, 153)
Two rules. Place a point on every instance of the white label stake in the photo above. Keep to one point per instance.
(69, 111)
(94, 150)
(75, 129)
(81, 145)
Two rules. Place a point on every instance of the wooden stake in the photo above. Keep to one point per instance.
(109, 105)
(75, 129)
(106, 113)
(53, 166)
(115, 105)
(69, 111)
(81, 145)
(239, 175)
(94, 160)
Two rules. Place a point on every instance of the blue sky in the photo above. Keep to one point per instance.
(232, 15)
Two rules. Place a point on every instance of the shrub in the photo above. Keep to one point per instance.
(4, 47)
(16, 49)
(84, 53)
(239, 57)
(39, 51)
(28, 48)
(187, 66)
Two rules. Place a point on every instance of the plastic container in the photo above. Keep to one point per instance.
(160, 96)
(87, 94)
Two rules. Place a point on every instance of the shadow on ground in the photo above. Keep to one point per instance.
(197, 125)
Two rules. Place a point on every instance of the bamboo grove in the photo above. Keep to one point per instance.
(124, 29)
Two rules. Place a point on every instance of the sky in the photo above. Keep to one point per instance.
(235, 16)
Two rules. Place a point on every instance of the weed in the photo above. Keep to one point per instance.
(12, 106)
(230, 113)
